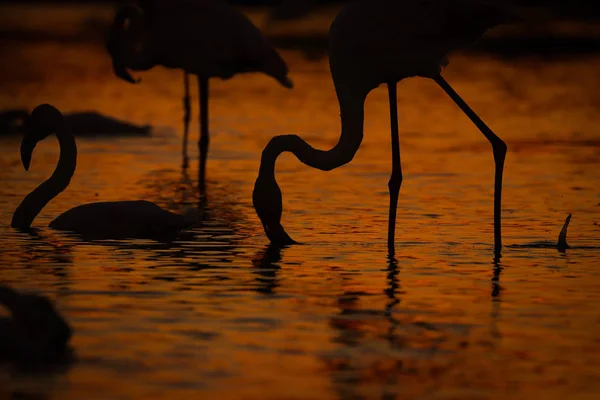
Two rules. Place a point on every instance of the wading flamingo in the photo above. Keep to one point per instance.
(384, 41)
(106, 220)
(207, 38)
(36, 331)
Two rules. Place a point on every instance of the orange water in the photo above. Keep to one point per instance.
(334, 318)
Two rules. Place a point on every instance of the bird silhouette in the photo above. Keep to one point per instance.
(86, 123)
(104, 220)
(35, 331)
(373, 42)
(206, 38)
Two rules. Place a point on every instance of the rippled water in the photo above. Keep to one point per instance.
(221, 313)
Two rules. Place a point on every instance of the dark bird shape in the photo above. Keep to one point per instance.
(561, 243)
(206, 38)
(87, 123)
(105, 220)
(35, 331)
(373, 42)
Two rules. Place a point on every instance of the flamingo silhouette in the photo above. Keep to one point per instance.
(384, 41)
(36, 330)
(105, 220)
(205, 38)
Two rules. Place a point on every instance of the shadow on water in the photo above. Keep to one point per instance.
(409, 337)
(496, 297)
(266, 268)
(355, 327)
(212, 240)
(42, 254)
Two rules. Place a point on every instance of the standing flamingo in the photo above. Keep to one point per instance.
(384, 41)
(207, 38)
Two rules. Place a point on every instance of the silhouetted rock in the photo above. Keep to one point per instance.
(86, 123)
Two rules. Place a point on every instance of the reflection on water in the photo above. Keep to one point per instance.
(217, 310)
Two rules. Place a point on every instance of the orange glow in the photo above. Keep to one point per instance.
(221, 316)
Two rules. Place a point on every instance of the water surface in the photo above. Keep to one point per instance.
(222, 314)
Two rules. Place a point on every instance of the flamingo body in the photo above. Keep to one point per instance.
(212, 39)
(374, 42)
(120, 220)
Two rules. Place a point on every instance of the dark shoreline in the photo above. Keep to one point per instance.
(542, 36)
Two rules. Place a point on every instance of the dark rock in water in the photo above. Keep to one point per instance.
(82, 124)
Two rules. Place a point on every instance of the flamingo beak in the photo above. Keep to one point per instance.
(286, 82)
(27, 146)
(123, 73)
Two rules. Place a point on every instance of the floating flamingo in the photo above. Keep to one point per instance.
(106, 220)
(384, 41)
(36, 331)
(205, 38)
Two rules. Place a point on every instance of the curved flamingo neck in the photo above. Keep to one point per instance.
(352, 120)
(35, 201)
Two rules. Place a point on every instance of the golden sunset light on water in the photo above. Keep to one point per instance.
(217, 312)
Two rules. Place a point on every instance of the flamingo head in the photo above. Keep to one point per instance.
(267, 201)
(122, 40)
(43, 121)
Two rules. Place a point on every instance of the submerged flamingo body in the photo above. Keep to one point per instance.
(119, 220)
(35, 331)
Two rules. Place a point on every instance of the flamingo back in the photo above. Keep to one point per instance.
(119, 220)
(380, 41)
(210, 39)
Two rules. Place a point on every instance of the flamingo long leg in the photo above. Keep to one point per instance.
(204, 139)
(396, 178)
(187, 110)
(499, 148)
